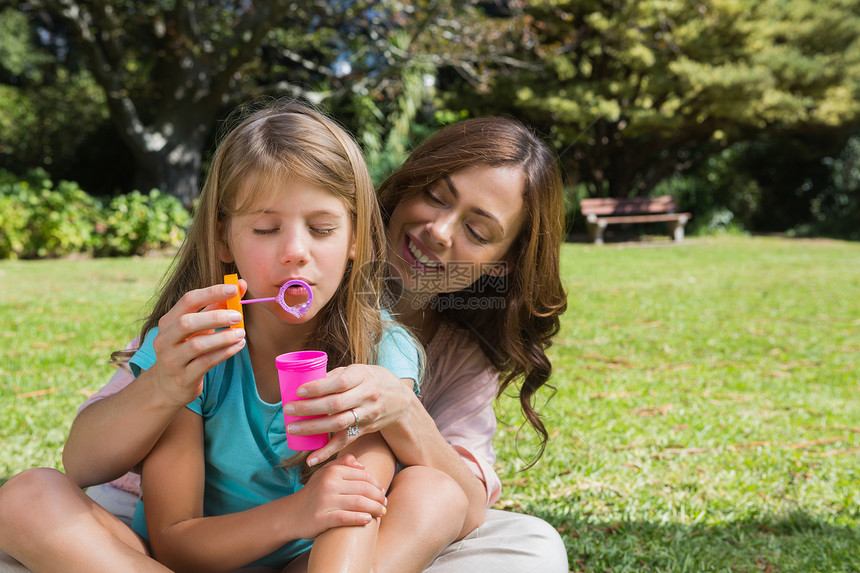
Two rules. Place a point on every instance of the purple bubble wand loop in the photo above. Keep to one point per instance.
(297, 311)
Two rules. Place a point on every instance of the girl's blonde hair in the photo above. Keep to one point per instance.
(287, 140)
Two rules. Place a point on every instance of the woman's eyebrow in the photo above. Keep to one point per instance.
(477, 210)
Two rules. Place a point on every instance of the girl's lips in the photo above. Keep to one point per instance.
(296, 291)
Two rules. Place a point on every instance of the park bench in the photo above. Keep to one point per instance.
(604, 211)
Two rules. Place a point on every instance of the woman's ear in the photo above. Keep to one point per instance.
(222, 246)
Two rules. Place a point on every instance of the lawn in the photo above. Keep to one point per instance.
(706, 414)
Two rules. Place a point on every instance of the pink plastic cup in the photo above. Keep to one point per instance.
(295, 369)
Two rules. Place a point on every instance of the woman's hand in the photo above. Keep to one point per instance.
(341, 493)
(371, 394)
(188, 343)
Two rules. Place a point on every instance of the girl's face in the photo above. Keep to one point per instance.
(296, 231)
(460, 228)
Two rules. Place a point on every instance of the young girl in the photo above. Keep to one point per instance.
(287, 197)
(284, 198)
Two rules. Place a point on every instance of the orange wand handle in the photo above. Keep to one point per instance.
(234, 302)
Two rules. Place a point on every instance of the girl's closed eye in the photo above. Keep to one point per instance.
(322, 230)
(265, 230)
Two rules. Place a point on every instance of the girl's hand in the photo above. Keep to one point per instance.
(187, 344)
(376, 396)
(341, 493)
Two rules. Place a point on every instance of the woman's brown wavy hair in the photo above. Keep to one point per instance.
(516, 337)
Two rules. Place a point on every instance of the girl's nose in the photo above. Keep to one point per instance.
(294, 249)
(441, 230)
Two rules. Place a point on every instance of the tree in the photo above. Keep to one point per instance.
(50, 109)
(170, 68)
(166, 69)
(631, 92)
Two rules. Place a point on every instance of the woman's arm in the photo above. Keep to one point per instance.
(183, 539)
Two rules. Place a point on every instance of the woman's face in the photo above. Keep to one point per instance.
(447, 236)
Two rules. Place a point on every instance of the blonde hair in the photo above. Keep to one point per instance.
(286, 139)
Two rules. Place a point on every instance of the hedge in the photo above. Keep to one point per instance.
(39, 220)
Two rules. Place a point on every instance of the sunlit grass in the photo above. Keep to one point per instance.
(706, 418)
(707, 413)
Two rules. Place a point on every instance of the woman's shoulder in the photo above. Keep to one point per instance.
(451, 337)
(454, 345)
(458, 371)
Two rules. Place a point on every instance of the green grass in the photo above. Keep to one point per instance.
(707, 415)
(706, 418)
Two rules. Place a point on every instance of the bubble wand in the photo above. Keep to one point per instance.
(235, 303)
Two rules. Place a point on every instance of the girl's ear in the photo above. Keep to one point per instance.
(223, 248)
(352, 244)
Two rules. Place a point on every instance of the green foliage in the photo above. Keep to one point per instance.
(386, 152)
(635, 92)
(573, 220)
(47, 221)
(137, 223)
(39, 220)
(721, 197)
(48, 110)
(836, 210)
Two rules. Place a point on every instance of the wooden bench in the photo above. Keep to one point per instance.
(607, 211)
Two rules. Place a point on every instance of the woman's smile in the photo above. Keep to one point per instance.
(421, 260)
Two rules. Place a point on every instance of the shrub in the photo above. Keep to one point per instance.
(721, 198)
(44, 221)
(836, 209)
(137, 223)
(38, 220)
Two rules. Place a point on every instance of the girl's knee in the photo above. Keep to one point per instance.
(433, 489)
(32, 493)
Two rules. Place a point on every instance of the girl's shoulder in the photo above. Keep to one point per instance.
(399, 351)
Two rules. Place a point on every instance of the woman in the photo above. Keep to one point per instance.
(474, 220)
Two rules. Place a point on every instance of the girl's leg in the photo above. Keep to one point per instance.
(507, 542)
(120, 503)
(426, 510)
(49, 524)
(351, 549)
(9, 565)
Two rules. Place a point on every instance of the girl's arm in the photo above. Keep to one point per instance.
(182, 539)
(352, 549)
(111, 436)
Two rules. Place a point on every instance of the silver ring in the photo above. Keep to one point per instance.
(352, 431)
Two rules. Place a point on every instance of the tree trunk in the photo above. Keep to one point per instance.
(175, 167)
